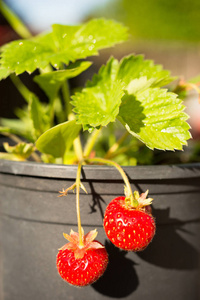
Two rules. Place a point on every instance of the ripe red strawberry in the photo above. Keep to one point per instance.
(129, 228)
(82, 265)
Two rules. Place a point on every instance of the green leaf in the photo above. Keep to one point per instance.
(57, 140)
(9, 156)
(26, 55)
(4, 72)
(52, 81)
(98, 103)
(22, 128)
(134, 67)
(155, 117)
(5, 129)
(62, 45)
(86, 39)
(39, 115)
(20, 151)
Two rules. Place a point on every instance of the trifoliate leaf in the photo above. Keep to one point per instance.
(62, 45)
(98, 103)
(57, 140)
(52, 81)
(155, 117)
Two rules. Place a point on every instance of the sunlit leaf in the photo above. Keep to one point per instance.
(135, 66)
(4, 72)
(62, 45)
(155, 117)
(98, 103)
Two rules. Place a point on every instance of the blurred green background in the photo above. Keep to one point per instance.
(172, 20)
(167, 31)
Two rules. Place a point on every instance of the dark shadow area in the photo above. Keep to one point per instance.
(130, 103)
(120, 278)
(97, 200)
(169, 186)
(168, 249)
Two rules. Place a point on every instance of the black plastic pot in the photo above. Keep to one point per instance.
(33, 219)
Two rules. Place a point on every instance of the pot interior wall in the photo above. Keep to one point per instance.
(33, 219)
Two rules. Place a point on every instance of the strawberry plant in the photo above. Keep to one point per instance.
(124, 106)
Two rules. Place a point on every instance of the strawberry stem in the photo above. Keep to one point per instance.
(78, 182)
(133, 200)
(91, 142)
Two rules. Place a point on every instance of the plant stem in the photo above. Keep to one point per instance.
(36, 157)
(12, 137)
(66, 96)
(77, 142)
(116, 145)
(27, 95)
(91, 141)
(120, 151)
(14, 21)
(78, 148)
(78, 181)
(133, 201)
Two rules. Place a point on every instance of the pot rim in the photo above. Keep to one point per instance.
(89, 172)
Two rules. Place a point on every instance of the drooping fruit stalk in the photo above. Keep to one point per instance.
(78, 204)
(128, 191)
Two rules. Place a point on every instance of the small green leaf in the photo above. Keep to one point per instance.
(98, 103)
(22, 128)
(52, 81)
(62, 45)
(21, 150)
(155, 117)
(57, 140)
(9, 156)
(39, 115)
